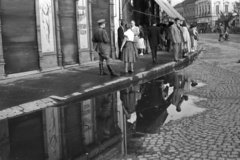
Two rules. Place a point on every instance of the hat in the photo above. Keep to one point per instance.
(100, 21)
(176, 19)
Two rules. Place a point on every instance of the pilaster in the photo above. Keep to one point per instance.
(2, 62)
(113, 48)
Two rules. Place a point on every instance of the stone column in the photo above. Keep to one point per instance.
(58, 37)
(113, 48)
(90, 30)
(2, 62)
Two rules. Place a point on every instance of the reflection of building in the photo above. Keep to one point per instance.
(82, 129)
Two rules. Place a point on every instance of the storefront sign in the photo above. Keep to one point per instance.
(83, 23)
(46, 25)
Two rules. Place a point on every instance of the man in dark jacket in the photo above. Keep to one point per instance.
(103, 48)
(120, 37)
(154, 39)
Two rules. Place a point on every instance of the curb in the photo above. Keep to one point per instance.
(111, 86)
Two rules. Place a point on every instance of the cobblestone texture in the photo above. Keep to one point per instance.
(212, 134)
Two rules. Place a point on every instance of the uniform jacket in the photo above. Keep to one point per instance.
(102, 41)
(154, 36)
(176, 34)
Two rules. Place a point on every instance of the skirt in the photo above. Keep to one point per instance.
(129, 52)
(141, 44)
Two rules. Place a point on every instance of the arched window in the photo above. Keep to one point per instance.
(226, 8)
(209, 8)
(217, 9)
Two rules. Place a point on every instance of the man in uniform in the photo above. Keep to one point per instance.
(103, 48)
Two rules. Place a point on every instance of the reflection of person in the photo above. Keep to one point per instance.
(129, 98)
(154, 39)
(128, 50)
(176, 39)
(103, 47)
(120, 37)
(106, 115)
(177, 97)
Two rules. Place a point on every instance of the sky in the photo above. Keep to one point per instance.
(174, 2)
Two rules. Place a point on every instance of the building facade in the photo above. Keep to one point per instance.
(179, 7)
(209, 11)
(189, 11)
(42, 35)
(206, 13)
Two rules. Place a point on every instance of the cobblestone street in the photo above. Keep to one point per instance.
(214, 133)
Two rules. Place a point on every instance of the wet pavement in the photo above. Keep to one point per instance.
(213, 133)
(146, 104)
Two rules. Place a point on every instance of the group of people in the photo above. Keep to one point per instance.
(177, 37)
(223, 32)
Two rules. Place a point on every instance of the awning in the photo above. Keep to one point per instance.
(171, 12)
(166, 9)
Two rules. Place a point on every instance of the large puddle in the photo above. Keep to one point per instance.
(87, 127)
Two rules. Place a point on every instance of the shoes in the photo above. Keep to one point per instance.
(130, 71)
(178, 109)
(141, 54)
(112, 73)
(194, 84)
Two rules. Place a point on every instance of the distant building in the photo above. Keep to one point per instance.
(179, 8)
(209, 11)
(189, 11)
(206, 13)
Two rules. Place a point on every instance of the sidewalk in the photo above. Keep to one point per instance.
(30, 93)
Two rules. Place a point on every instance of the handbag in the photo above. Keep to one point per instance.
(196, 37)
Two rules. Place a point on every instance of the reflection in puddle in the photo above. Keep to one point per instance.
(188, 109)
(86, 129)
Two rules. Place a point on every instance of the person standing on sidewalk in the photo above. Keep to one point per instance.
(136, 32)
(154, 39)
(186, 38)
(176, 39)
(129, 50)
(102, 41)
(120, 31)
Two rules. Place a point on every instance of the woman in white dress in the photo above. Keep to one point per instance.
(186, 37)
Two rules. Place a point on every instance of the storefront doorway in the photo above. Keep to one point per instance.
(68, 31)
(19, 35)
